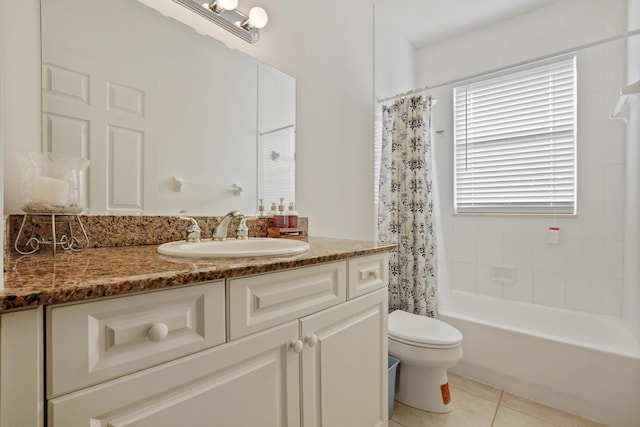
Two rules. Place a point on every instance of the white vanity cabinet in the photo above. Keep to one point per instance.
(343, 348)
(295, 347)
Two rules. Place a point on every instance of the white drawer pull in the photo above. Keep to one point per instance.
(158, 332)
(297, 346)
(369, 273)
(312, 340)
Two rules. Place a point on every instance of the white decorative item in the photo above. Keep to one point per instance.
(49, 190)
(52, 183)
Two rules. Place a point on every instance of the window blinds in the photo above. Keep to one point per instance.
(515, 142)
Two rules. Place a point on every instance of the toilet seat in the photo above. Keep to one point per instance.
(422, 331)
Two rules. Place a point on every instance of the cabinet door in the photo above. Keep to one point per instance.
(248, 383)
(344, 364)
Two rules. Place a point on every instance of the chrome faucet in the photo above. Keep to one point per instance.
(220, 230)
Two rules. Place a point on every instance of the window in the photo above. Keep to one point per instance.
(515, 145)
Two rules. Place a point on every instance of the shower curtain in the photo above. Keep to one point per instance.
(405, 205)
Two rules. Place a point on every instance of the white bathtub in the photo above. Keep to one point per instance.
(582, 363)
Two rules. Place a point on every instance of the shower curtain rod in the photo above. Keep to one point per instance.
(403, 94)
(540, 58)
(497, 70)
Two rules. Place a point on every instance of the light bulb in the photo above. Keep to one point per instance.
(227, 4)
(258, 17)
(218, 6)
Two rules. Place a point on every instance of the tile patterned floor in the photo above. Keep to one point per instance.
(479, 405)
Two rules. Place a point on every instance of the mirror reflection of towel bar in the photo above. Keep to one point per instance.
(179, 183)
(276, 130)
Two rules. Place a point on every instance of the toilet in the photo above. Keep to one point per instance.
(426, 347)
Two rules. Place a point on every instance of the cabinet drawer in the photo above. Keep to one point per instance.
(92, 342)
(261, 301)
(248, 383)
(368, 273)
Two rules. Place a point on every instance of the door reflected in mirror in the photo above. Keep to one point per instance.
(148, 100)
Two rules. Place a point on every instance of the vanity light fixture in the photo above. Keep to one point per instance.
(224, 13)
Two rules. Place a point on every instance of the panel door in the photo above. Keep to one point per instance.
(92, 110)
(344, 364)
(250, 382)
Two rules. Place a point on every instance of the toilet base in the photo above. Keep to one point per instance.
(424, 388)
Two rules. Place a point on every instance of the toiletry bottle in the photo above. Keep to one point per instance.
(292, 216)
(273, 211)
(280, 217)
(261, 213)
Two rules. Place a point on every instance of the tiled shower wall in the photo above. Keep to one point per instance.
(585, 270)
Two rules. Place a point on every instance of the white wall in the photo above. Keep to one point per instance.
(631, 308)
(395, 57)
(1, 169)
(20, 50)
(585, 270)
(330, 54)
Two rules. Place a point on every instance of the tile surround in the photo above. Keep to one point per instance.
(590, 241)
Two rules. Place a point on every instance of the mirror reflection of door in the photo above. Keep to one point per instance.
(154, 100)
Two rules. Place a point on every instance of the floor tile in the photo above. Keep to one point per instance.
(506, 417)
(544, 412)
(394, 424)
(481, 390)
(469, 410)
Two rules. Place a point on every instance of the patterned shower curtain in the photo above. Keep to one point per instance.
(405, 206)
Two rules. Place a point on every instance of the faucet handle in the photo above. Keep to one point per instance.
(242, 232)
(193, 231)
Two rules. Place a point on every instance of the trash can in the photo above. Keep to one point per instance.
(393, 364)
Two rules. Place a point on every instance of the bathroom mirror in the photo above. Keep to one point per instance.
(172, 121)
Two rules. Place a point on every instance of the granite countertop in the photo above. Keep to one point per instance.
(42, 278)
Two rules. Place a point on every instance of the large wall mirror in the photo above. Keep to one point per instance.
(171, 120)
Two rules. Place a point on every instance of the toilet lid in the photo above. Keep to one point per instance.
(422, 330)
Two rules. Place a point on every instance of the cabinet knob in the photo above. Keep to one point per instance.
(297, 346)
(158, 332)
(312, 340)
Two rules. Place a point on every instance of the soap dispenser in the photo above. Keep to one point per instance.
(261, 212)
(273, 211)
(292, 216)
(280, 217)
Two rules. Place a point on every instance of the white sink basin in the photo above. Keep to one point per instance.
(232, 248)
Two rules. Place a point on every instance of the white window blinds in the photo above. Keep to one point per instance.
(515, 142)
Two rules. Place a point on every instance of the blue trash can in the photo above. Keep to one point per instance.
(393, 364)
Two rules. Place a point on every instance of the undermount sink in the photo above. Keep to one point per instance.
(232, 248)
